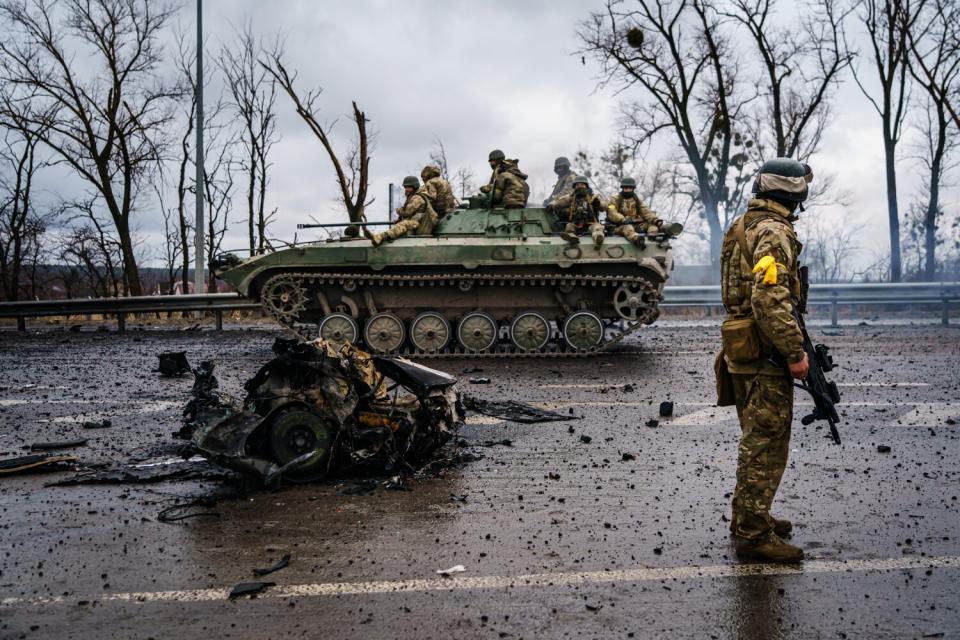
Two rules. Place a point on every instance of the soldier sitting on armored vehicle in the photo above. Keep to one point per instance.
(627, 210)
(565, 176)
(580, 212)
(417, 216)
(437, 191)
(508, 186)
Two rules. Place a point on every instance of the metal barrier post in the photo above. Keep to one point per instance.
(945, 317)
(21, 323)
(219, 316)
(833, 310)
(121, 322)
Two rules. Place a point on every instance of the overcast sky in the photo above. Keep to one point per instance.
(497, 74)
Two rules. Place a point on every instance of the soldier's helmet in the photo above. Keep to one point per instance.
(581, 180)
(783, 179)
(561, 162)
(429, 171)
(411, 181)
(628, 182)
(497, 155)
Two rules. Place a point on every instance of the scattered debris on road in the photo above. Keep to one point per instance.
(514, 411)
(282, 563)
(36, 463)
(195, 469)
(446, 573)
(173, 363)
(97, 424)
(883, 448)
(62, 444)
(250, 589)
(666, 409)
(479, 380)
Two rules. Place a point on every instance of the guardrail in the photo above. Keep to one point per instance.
(942, 293)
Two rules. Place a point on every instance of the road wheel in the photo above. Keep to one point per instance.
(530, 331)
(384, 333)
(339, 329)
(477, 331)
(583, 330)
(430, 332)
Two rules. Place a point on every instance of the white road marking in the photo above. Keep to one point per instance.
(642, 574)
(839, 384)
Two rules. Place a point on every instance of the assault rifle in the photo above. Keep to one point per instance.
(824, 392)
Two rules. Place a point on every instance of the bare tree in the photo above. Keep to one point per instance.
(106, 120)
(935, 66)
(438, 156)
(355, 179)
(830, 251)
(218, 185)
(801, 66)
(21, 227)
(253, 95)
(677, 55)
(888, 24)
(89, 247)
(465, 180)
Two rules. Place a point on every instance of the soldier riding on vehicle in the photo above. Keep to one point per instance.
(417, 216)
(627, 209)
(565, 176)
(580, 212)
(508, 186)
(437, 190)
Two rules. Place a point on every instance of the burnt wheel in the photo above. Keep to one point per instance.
(295, 433)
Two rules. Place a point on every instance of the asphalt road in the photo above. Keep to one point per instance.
(559, 538)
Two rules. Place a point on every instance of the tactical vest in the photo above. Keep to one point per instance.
(736, 268)
(580, 211)
(634, 206)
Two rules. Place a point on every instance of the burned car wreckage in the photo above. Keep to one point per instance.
(318, 406)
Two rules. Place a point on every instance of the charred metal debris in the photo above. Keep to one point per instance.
(316, 407)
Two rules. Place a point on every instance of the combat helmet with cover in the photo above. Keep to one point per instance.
(496, 156)
(783, 179)
(627, 181)
(580, 180)
(411, 181)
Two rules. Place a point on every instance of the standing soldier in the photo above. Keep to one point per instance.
(417, 216)
(760, 281)
(437, 190)
(580, 211)
(627, 208)
(508, 186)
(565, 176)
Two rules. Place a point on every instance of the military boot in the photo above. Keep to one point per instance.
(780, 527)
(598, 238)
(570, 237)
(769, 549)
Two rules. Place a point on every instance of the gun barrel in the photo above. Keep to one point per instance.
(335, 225)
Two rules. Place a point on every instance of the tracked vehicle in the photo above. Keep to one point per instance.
(487, 283)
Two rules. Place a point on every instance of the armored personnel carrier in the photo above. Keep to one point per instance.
(487, 283)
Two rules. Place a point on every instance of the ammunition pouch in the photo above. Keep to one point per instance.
(725, 394)
(741, 340)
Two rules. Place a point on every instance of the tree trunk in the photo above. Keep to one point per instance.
(933, 205)
(712, 214)
(893, 210)
(130, 272)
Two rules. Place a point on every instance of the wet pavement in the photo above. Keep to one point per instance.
(622, 537)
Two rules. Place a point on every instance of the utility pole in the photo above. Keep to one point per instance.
(390, 203)
(199, 275)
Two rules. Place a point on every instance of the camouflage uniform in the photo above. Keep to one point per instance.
(508, 186)
(417, 217)
(437, 191)
(630, 207)
(580, 213)
(763, 391)
(563, 187)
